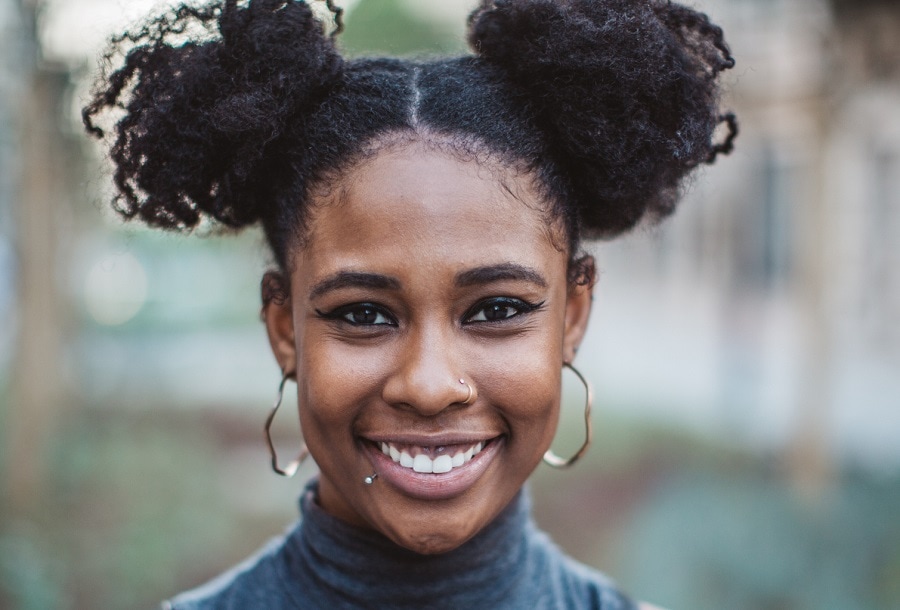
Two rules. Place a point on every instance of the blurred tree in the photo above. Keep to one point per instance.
(40, 218)
(389, 27)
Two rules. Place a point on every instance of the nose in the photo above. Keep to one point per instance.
(426, 377)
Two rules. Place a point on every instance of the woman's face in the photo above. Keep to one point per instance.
(421, 270)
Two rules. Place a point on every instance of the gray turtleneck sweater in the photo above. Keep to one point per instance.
(324, 563)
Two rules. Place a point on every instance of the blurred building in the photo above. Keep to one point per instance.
(765, 312)
(770, 303)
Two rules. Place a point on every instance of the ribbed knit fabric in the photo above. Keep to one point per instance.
(324, 563)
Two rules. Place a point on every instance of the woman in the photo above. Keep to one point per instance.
(425, 218)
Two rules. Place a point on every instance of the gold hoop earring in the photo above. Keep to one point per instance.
(291, 468)
(550, 458)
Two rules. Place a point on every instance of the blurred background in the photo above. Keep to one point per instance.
(745, 354)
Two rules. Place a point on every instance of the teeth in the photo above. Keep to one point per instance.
(423, 463)
(442, 464)
(406, 460)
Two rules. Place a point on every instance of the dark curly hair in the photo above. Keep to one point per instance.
(608, 104)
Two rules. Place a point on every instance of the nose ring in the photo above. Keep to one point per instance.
(470, 395)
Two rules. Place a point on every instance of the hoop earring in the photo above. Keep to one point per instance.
(471, 392)
(291, 468)
(550, 458)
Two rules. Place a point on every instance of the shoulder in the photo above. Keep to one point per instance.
(599, 591)
(254, 583)
(571, 584)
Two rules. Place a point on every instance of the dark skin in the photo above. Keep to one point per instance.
(418, 270)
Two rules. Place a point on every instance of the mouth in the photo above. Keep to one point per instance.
(432, 471)
(428, 460)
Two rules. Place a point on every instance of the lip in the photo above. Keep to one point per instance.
(432, 440)
(430, 486)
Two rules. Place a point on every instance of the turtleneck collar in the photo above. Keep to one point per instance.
(328, 557)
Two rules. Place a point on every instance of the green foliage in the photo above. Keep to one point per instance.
(136, 514)
(684, 522)
(753, 542)
(388, 27)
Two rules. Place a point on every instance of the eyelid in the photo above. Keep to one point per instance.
(524, 307)
(339, 313)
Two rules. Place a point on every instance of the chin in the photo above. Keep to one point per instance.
(435, 527)
(432, 543)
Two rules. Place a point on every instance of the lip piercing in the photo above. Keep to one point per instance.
(371, 478)
(470, 394)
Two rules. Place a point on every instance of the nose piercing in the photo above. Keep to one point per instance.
(470, 394)
(371, 478)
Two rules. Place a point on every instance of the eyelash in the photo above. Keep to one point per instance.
(521, 307)
(343, 313)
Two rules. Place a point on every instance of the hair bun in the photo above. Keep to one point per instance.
(199, 116)
(625, 90)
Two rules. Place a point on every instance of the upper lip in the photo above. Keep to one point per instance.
(432, 440)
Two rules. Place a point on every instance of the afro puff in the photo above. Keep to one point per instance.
(609, 104)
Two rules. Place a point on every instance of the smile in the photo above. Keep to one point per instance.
(431, 470)
(441, 459)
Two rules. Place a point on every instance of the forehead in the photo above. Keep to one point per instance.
(415, 206)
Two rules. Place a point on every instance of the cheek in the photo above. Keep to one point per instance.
(339, 380)
(523, 383)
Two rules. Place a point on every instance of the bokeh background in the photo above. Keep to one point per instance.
(745, 354)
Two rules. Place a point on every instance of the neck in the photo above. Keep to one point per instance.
(368, 567)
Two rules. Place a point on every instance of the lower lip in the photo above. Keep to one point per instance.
(430, 486)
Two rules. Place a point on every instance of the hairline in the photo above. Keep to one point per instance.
(325, 189)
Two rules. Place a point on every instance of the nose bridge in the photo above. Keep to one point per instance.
(426, 377)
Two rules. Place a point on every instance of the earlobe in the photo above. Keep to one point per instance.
(578, 308)
(277, 314)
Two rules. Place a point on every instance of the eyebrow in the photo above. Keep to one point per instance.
(496, 273)
(354, 279)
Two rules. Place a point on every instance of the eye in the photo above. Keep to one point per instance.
(360, 314)
(499, 309)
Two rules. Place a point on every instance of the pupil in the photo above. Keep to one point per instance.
(365, 316)
(497, 312)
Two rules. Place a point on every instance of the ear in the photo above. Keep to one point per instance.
(578, 306)
(278, 316)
